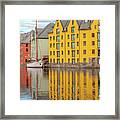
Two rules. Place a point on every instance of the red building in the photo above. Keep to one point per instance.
(25, 48)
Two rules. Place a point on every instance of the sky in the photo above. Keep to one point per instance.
(28, 25)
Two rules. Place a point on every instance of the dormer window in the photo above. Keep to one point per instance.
(57, 31)
(72, 29)
(57, 24)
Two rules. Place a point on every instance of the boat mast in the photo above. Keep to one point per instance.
(36, 43)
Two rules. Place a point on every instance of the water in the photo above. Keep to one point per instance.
(59, 84)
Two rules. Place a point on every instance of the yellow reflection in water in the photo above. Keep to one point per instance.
(73, 84)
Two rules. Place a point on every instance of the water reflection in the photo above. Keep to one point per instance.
(59, 84)
(35, 81)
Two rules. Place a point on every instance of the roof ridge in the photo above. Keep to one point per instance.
(44, 28)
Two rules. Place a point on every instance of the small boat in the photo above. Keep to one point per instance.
(34, 65)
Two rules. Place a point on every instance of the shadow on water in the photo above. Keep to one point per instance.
(59, 84)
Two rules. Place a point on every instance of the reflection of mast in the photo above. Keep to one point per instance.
(36, 43)
(30, 46)
(37, 87)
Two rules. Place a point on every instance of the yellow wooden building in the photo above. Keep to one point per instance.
(74, 41)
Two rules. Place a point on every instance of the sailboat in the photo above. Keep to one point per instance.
(35, 64)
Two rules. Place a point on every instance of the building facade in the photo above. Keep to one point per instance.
(73, 42)
(25, 49)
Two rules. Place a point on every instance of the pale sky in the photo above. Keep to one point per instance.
(28, 25)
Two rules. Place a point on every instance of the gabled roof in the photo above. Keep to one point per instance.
(39, 30)
(85, 26)
(24, 37)
(65, 23)
(46, 30)
(79, 22)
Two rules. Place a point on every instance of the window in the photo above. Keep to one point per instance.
(50, 52)
(26, 49)
(72, 22)
(73, 61)
(73, 45)
(58, 61)
(53, 52)
(50, 38)
(66, 28)
(26, 45)
(58, 46)
(93, 51)
(72, 29)
(77, 59)
(77, 43)
(62, 61)
(62, 52)
(77, 35)
(84, 51)
(57, 24)
(98, 52)
(68, 37)
(50, 45)
(58, 53)
(84, 59)
(53, 37)
(57, 31)
(58, 38)
(68, 52)
(95, 26)
(98, 36)
(53, 60)
(84, 43)
(93, 42)
(53, 44)
(73, 37)
(77, 51)
(68, 60)
(93, 92)
(73, 53)
(61, 44)
(84, 35)
(93, 35)
(62, 37)
(25, 60)
(68, 44)
(93, 84)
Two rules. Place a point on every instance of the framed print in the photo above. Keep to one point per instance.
(59, 59)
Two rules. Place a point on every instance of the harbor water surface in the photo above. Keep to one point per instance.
(59, 84)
